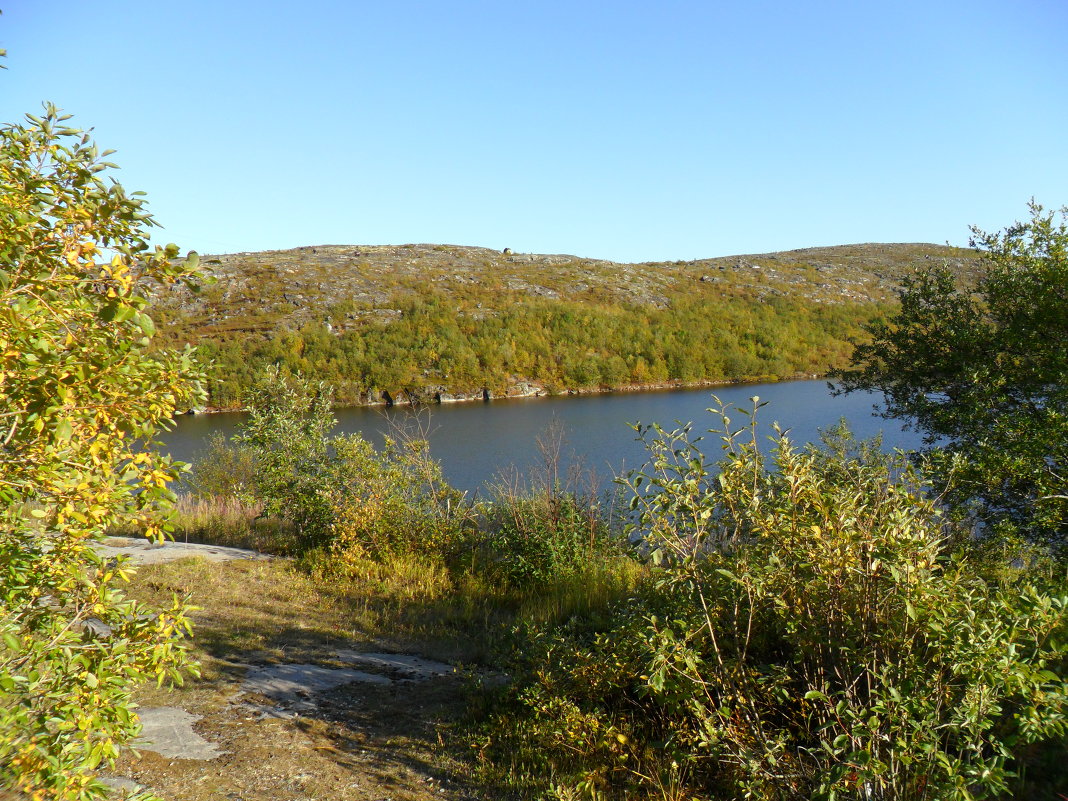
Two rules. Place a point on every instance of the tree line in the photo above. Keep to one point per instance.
(558, 344)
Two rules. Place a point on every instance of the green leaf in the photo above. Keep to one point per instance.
(144, 322)
(116, 312)
(64, 430)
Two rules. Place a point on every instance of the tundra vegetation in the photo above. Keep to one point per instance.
(427, 319)
(822, 622)
(556, 344)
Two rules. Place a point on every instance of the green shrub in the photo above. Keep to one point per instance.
(806, 632)
(534, 538)
(339, 492)
(288, 436)
(544, 531)
(223, 470)
(981, 371)
(392, 501)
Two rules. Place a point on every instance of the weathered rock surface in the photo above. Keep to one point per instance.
(168, 731)
(146, 552)
(412, 668)
(346, 286)
(296, 683)
(121, 784)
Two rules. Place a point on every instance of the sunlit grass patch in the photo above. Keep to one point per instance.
(584, 593)
(226, 521)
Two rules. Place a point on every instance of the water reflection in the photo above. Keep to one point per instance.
(477, 442)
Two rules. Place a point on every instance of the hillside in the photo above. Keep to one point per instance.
(385, 322)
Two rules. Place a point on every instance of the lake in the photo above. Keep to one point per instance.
(477, 443)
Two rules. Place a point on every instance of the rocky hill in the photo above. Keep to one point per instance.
(346, 284)
(443, 310)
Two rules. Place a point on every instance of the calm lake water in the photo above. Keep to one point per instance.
(478, 443)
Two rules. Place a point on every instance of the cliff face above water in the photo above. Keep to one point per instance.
(446, 309)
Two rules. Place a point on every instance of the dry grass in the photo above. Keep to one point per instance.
(584, 593)
(361, 742)
(231, 522)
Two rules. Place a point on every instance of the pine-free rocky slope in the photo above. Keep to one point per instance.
(444, 321)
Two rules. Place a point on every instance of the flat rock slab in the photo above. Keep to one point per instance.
(146, 552)
(294, 683)
(262, 711)
(168, 731)
(410, 667)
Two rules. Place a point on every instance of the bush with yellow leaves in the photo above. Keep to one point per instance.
(80, 391)
(392, 501)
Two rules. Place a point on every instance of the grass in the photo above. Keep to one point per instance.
(228, 522)
(233, 523)
(403, 741)
(583, 593)
(359, 742)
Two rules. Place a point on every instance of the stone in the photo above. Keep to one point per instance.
(120, 783)
(293, 683)
(261, 711)
(146, 552)
(410, 667)
(168, 731)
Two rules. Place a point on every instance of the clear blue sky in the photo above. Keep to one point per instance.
(622, 130)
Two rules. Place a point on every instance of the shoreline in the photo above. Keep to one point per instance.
(413, 400)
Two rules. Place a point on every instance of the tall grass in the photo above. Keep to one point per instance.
(229, 521)
(463, 603)
(583, 593)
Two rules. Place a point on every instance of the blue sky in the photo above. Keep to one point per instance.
(628, 131)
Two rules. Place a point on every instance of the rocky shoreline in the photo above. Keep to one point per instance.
(438, 395)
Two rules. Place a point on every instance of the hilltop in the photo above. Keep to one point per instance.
(382, 321)
(261, 292)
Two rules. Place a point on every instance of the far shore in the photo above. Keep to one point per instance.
(403, 398)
